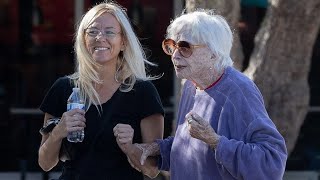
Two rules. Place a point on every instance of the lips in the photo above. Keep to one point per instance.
(179, 66)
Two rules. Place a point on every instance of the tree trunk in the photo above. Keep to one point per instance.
(281, 60)
(229, 9)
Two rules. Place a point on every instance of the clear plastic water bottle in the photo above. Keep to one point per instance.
(75, 101)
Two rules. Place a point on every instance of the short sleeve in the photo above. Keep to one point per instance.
(150, 99)
(55, 101)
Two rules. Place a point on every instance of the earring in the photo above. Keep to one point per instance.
(123, 47)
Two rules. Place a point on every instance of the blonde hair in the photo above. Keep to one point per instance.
(131, 63)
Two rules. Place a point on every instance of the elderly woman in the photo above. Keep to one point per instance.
(223, 129)
(110, 72)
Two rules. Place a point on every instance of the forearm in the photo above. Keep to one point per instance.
(49, 151)
(149, 167)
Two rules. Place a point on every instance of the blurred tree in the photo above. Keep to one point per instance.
(280, 61)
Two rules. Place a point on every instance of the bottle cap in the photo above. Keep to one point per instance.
(76, 89)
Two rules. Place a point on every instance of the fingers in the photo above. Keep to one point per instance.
(194, 117)
(199, 119)
(132, 164)
(73, 120)
(143, 158)
(124, 137)
(198, 127)
(144, 154)
(124, 133)
(189, 117)
(75, 125)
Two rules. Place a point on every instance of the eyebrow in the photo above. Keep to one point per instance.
(93, 27)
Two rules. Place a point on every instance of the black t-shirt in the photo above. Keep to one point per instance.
(102, 158)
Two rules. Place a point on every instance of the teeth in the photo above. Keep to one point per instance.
(101, 48)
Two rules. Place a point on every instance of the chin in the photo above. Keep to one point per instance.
(101, 60)
(179, 75)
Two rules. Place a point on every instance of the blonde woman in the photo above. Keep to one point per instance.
(110, 72)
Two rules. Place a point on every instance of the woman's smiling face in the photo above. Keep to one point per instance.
(103, 39)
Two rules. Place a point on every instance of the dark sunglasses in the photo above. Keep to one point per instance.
(184, 48)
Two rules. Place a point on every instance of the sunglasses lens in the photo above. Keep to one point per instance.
(169, 46)
(184, 49)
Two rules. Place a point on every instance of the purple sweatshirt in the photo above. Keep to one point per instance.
(250, 146)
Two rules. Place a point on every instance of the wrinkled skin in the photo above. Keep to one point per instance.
(202, 130)
(198, 128)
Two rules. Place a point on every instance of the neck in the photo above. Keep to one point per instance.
(108, 86)
(107, 70)
(107, 75)
(206, 81)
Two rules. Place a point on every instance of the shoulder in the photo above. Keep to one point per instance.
(64, 81)
(56, 98)
(61, 86)
(237, 78)
(188, 88)
(241, 93)
(144, 86)
(237, 83)
(147, 99)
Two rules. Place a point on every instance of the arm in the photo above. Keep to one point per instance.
(256, 150)
(159, 147)
(49, 148)
(262, 157)
(151, 129)
(72, 120)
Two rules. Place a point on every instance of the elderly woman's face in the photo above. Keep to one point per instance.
(103, 38)
(197, 65)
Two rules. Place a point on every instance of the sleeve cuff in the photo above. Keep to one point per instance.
(163, 160)
(219, 149)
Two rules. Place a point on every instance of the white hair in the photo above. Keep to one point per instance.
(205, 27)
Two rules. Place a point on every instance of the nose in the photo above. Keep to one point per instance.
(100, 36)
(175, 53)
(176, 57)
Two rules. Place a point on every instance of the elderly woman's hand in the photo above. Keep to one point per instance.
(73, 120)
(136, 153)
(149, 149)
(202, 130)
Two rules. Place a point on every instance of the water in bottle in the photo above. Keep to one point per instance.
(75, 101)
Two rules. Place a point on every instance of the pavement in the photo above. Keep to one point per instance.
(38, 176)
(289, 175)
(28, 176)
